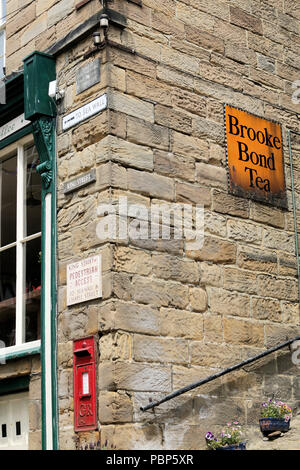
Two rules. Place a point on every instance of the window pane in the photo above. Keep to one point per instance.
(8, 195)
(33, 192)
(8, 296)
(2, 43)
(1, 67)
(33, 290)
(2, 52)
(3, 11)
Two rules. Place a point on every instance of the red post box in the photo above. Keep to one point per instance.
(85, 400)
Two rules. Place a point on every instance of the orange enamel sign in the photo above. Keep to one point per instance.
(255, 157)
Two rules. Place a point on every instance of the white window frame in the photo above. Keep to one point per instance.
(2, 28)
(19, 244)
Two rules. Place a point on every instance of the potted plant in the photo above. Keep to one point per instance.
(275, 416)
(229, 439)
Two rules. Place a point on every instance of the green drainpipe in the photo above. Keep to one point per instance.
(39, 71)
(294, 210)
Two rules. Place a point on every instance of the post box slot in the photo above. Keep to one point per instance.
(82, 352)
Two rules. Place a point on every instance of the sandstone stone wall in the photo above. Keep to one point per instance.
(170, 316)
(38, 24)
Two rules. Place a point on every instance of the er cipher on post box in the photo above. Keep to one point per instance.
(85, 401)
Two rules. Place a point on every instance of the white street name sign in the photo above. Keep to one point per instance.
(85, 112)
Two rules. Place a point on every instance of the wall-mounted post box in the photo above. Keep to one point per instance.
(85, 400)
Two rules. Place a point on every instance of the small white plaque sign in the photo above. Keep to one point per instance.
(84, 280)
(85, 112)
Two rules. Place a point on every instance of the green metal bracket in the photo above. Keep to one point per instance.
(44, 138)
(39, 71)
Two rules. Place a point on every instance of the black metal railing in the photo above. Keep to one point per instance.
(190, 387)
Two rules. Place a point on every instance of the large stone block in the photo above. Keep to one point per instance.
(266, 309)
(83, 137)
(176, 166)
(35, 28)
(164, 350)
(215, 250)
(194, 17)
(171, 267)
(150, 184)
(160, 293)
(132, 261)
(115, 346)
(188, 193)
(188, 101)
(205, 39)
(132, 106)
(232, 205)
(35, 440)
(172, 76)
(178, 60)
(276, 334)
(145, 133)
(213, 327)
(114, 408)
(126, 153)
(135, 318)
(215, 224)
(213, 355)
(183, 376)
(257, 260)
(243, 332)
(240, 280)
(244, 232)
(172, 118)
(19, 22)
(149, 88)
(211, 175)
(181, 323)
(211, 274)
(132, 436)
(285, 289)
(134, 376)
(241, 18)
(228, 303)
(190, 146)
(59, 11)
(198, 299)
(277, 238)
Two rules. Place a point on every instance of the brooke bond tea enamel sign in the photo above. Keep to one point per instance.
(255, 157)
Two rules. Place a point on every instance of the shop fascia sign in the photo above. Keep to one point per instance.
(13, 126)
(255, 161)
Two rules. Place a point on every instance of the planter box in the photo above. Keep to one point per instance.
(268, 425)
(241, 446)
